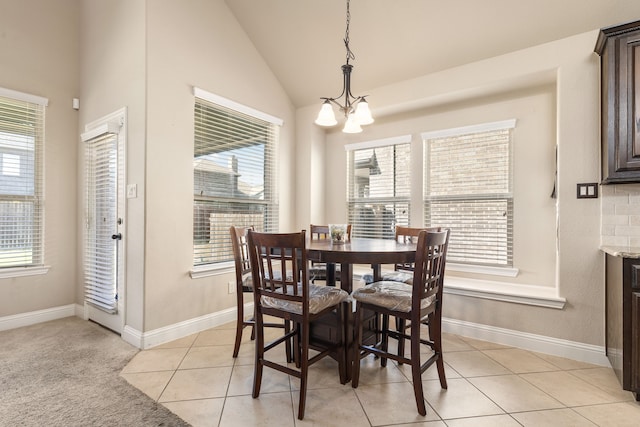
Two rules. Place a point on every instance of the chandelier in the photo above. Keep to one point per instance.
(355, 108)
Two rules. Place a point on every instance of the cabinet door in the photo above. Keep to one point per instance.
(635, 344)
(628, 148)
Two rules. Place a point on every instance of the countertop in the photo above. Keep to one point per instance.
(621, 251)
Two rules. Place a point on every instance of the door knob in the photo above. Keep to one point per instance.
(116, 236)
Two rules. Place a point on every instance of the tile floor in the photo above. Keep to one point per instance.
(489, 385)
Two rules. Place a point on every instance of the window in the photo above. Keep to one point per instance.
(378, 186)
(10, 164)
(468, 188)
(234, 174)
(21, 198)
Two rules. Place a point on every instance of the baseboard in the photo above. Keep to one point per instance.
(539, 343)
(180, 330)
(39, 316)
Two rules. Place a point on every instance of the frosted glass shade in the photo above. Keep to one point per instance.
(363, 114)
(326, 116)
(352, 125)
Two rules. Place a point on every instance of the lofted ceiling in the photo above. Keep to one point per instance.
(395, 40)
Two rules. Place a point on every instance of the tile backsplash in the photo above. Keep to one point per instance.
(620, 215)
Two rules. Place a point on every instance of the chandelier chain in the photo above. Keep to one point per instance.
(350, 54)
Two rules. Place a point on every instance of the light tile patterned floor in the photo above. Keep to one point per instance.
(489, 385)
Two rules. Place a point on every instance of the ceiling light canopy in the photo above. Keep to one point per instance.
(355, 108)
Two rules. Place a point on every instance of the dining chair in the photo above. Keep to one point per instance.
(318, 270)
(415, 303)
(289, 295)
(403, 272)
(244, 284)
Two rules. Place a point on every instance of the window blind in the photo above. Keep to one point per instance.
(21, 179)
(468, 188)
(235, 178)
(378, 192)
(100, 258)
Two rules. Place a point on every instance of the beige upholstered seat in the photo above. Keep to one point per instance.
(320, 297)
(390, 295)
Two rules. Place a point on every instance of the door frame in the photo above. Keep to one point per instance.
(117, 119)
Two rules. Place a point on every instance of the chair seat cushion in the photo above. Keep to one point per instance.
(391, 295)
(247, 281)
(320, 297)
(391, 276)
(318, 271)
(398, 276)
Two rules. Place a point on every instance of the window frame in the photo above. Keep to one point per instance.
(353, 200)
(499, 267)
(270, 203)
(36, 164)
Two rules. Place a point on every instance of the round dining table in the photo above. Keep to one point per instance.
(374, 252)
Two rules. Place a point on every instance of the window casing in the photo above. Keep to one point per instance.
(468, 188)
(234, 175)
(21, 184)
(379, 186)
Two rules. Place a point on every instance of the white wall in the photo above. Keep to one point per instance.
(196, 43)
(39, 55)
(112, 77)
(561, 80)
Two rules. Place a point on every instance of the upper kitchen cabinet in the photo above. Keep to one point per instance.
(619, 50)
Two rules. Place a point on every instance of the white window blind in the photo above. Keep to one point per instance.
(379, 185)
(234, 176)
(100, 258)
(21, 182)
(468, 188)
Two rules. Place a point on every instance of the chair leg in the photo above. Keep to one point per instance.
(401, 325)
(355, 374)
(435, 335)
(239, 327)
(257, 374)
(304, 368)
(416, 374)
(288, 344)
(342, 355)
(385, 339)
(296, 345)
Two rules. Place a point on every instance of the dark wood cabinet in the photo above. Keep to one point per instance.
(619, 50)
(623, 320)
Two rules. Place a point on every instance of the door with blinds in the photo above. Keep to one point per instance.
(104, 216)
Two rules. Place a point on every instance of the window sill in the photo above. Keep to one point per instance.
(540, 296)
(6, 273)
(480, 269)
(212, 270)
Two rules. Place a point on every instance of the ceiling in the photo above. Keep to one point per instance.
(395, 40)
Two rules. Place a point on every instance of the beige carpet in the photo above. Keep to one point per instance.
(66, 373)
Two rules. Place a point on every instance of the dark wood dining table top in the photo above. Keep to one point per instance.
(360, 251)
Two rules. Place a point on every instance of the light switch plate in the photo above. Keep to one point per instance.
(587, 190)
(132, 191)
